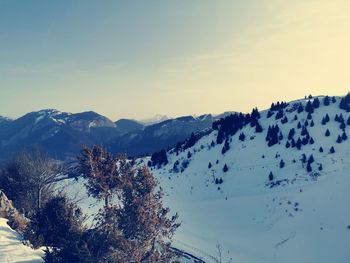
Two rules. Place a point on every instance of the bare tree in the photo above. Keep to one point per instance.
(219, 256)
(29, 179)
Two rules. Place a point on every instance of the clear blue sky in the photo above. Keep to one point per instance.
(139, 58)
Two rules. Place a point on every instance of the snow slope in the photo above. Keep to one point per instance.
(305, 219)
(11, 248)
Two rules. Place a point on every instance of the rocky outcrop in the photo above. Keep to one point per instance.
(16, 220)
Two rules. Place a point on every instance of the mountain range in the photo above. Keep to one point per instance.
(62, 134)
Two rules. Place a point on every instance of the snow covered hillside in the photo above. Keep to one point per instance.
(11, 248)
(286, 202)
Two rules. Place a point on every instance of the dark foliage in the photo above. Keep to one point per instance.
(159, 158)
(345, 103)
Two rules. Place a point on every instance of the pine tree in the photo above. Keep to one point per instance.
(309, 116)
(298, 144)
(311, 159)
(312, 124)
(308, 168)
(300, 108)
(342, 126)
(258, 128)
(326, 101)
(328, 133)
(271, 177)
(299, 125)
(316, 103)
(291, 134)
(309, 107)
(311, 141)
(209, 165)
(303, 158)
(339, 139)
(332, 150)
(242, 136)
(344, 137)
(225, 169)
(101, 171)
(287, 144)
(321, 150)
(320, 167)
(282, 163)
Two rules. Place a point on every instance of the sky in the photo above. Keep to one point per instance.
(135, 59)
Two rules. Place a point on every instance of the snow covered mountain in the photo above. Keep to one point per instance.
(159, 136)
(268, 187)
(62, 134)
(58, 133)
(155, 119)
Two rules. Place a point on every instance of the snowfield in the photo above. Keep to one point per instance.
(11, 248)
(305, 217)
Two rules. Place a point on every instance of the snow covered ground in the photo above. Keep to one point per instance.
(11, 248)
(304, 219)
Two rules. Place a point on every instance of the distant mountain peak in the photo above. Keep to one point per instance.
(155, 119)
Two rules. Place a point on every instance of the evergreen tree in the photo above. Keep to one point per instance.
(320, 167)
(321, 150)
(284, 120)
(300, 108)
(299, 125)
(316, 103)
(292, 143)
(291, 134)
(311, 141)
(225, 169)
(287, 144)
(311, 159)
(342, 126)
(242, 136)
(298, 144)
(345, 103)
(308, 167)
(348, 121)
(344, 137)
(295, 117)
(326, 101)
(309, 116)
(189, 155)
(282, 163)
(226, 147)
(328, 133)
(209, 165)
(312, 124)
(309, 107)
(271, 177)
(339, 139)
(303, 158)
(332, 150)
(258, 128)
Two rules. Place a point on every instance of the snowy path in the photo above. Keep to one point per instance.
(11, 248)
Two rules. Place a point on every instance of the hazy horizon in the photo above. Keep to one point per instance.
(138, 59)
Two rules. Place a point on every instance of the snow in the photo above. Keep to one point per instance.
(12, 249)
(305, 219)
